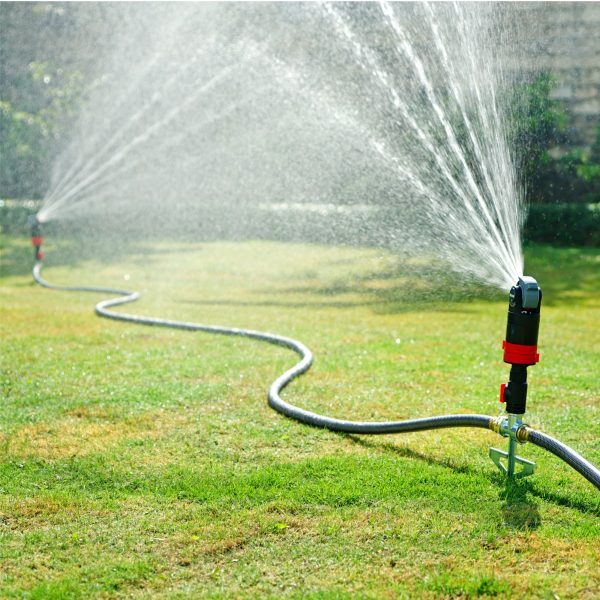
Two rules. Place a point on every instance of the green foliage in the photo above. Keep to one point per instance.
(29, 137)
(549, 173)
(540, 123)
(41, 66)
(588, 167)
(563, 224)
(14, 214)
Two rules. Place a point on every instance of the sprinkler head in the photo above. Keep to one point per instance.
(530, 293)
(33, 223)
(524, 301)
(36, 236)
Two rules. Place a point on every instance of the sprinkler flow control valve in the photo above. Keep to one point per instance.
(36, 236)
(520, 351)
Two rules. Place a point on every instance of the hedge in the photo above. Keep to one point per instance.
(563, 224)
(556, 224)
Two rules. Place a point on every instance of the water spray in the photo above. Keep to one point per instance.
(520, 351)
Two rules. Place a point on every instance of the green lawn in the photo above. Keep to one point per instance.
(138, 462)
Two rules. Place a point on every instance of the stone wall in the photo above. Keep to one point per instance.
(568, 46)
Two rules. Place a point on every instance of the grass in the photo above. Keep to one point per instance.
(145, 463)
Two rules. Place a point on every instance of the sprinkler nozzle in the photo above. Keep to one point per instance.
(36, 236)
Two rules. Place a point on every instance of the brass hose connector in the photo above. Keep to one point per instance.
(496, 424)
(522, 433)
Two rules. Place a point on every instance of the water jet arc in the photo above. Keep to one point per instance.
(522, 433)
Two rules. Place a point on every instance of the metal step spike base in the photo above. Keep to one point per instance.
(527, 467)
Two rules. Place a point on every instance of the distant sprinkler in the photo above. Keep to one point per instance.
(520, 351)
(36, 236)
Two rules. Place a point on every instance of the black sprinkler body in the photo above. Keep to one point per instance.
(520, 345)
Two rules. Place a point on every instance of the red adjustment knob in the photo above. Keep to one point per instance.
(502, 388)
(37, 240)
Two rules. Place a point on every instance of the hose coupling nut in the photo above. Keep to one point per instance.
(496, 424)
(510, 427)
(522, 433)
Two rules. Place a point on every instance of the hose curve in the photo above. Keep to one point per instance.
(572, 458)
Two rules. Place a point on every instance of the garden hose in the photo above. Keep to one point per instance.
(522, 434)
(572, 458)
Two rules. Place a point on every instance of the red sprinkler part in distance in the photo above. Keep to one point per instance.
(36, 236)
(37, 241)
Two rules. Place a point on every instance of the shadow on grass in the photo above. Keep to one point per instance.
(408, 286)
(405, 286)
(406, 453)
(565, 274)
(334, 481)
(281, 304)
(519, 510)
